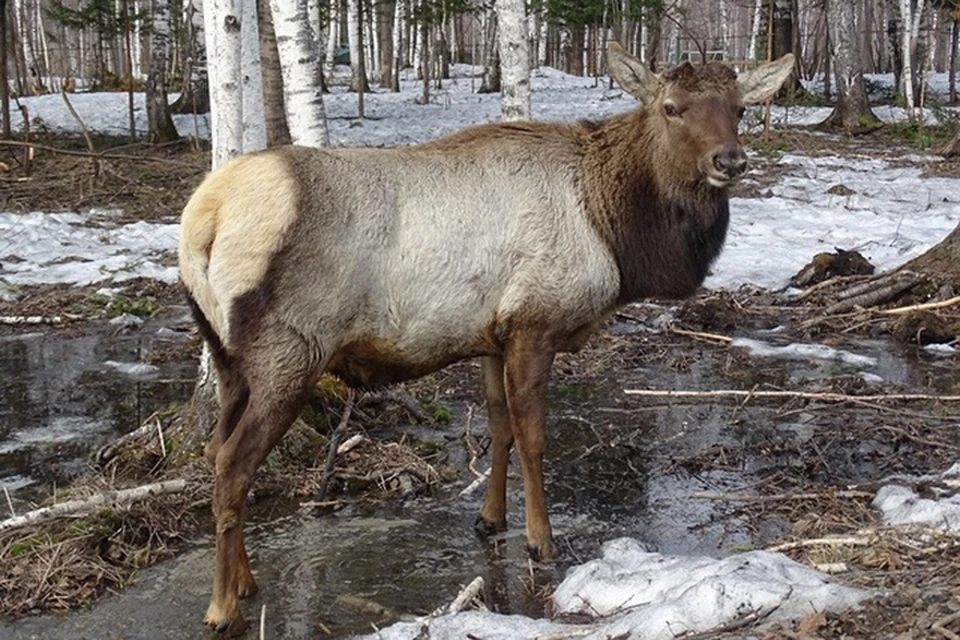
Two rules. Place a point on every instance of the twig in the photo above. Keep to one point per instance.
(880, 291)
(14, 320)
(263, 622)
(83, 130)
(103, 155)
(73, 507)
(940, 626)
(332, 449)
(163, 445)
(782, 497)
(109, 451)
(700, 334)
(926, 306)
(830, 541)
(476, 484)
(472, 463)
(460, 603)
(13, 513)
(747, 620)
(351, 443)
(803, 395)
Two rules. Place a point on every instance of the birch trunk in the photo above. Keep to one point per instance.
(160, 127)
(354, 37)
(333, 38)
(26, 46)
(300, 62)
(222, 22)
(399, 29)
(5, 127)
(514, 60)
(251, 79)
(755, 30)
(911, 28)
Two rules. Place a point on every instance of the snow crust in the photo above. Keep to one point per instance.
(632, 592)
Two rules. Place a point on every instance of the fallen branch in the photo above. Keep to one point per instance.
(476, 484)
(335, 437)
(85, 505)
(802, 395)
(875, 292)
(15, 320)
(109, 451)
(701, 335)
(830, 541)
(940, 626)
(351, 443)
(782, 497)
(926, 306)
(460, 603)
(30, 146)
(86, 134)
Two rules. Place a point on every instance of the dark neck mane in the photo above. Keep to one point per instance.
(664, 234)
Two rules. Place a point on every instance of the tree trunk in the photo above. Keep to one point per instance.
(386, 12)
(852, 112)
(251, 79)
(954, 45)
(514, 60)
(941, 262)
(275, 117)
(491, 71)
(358, 80)
(223, 37)
(160, 127)
(195, 90)
(399, 28)
(301, 66)
(5, 130)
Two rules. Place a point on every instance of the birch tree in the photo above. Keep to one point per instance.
(358, 80)
(274, 111)
(222, 27)
(514, 60)
(301, 65)
(910, 13)
(160, 127)
(4, 82)
(852, 112)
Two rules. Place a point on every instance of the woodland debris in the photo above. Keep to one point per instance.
(85, 505)
(826, 266)
(803, 395)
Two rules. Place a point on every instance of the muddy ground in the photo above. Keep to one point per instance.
(713, 473)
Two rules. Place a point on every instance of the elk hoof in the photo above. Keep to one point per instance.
(546, 552)
(485, 527)
(231, 628)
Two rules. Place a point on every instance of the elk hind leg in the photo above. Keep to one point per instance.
(280, 379)
(493, 514)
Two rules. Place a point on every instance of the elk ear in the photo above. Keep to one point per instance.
(761, 83)
(633, 75)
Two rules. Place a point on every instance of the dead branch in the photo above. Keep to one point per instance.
(701, 335)
(781, 497)
(940, 626)
(463, 598)
(352, 443)
(110, 450)
(926, 306)
(85, 505)
(733, 625)
(103, 155)
(802, 395)
(830, 541)
(17, 320)
(874, 292)
(86, 134)
(476, 484)
(335, 437)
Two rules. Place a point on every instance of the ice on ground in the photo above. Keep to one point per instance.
(134, 369)
(83, 248)
(798, 351)
(901, 505)
(655, 597)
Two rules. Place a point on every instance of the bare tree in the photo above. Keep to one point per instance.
(274, 113)
(4, 82)
(301, 65)
(852, 112)
(514, 60)
(160, 127)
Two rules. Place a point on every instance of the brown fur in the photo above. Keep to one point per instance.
(263, 258)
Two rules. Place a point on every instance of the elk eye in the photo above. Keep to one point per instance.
(671, 110)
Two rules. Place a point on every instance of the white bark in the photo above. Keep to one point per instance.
(911, 29)
(251, 78)
(356, 44)
(301, 67)
(514, 60)
(86, 505)
(333, 37)
(725, 28)
(222, 26)
(23, 29)
(399, 18)
(755, 30)
(135, 40)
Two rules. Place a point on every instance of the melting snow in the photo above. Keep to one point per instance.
(797, 351)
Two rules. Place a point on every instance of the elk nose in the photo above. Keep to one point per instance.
(731, 162)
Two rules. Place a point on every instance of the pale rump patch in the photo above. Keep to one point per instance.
(231, 228)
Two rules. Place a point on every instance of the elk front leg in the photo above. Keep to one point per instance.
(527, 370)
(493, 515)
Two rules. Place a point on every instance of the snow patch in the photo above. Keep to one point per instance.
(797, 351)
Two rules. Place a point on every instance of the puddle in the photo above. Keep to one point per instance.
(616, 465)
(59, 401)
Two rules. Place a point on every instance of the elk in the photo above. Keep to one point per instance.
(509, 242)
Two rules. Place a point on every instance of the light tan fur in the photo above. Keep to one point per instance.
(232, 214)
